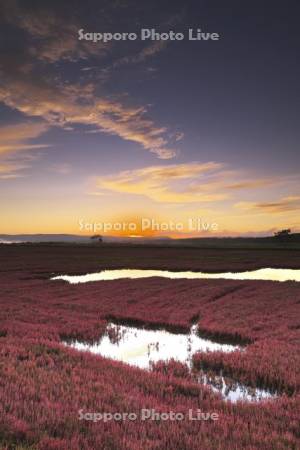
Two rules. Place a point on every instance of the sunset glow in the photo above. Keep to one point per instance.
(100, 131)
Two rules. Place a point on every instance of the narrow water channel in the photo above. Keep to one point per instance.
(109, 275)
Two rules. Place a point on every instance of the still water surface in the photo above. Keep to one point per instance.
(141, 347)
(109, 275)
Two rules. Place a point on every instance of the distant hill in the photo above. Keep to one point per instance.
(291, 241)
(72, 238)
(11, 238)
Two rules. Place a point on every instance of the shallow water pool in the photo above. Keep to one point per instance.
(141, 348)
(109, 275)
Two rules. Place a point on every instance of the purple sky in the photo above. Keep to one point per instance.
(164, 129)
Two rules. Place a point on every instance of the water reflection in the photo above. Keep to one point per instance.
(108, 275)
(231, 389)
(141, 348)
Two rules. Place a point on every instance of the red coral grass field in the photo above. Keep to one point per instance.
(47, 387)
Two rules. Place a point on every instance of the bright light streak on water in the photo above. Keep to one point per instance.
(109, 275)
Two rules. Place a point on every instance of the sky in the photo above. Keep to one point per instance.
(167, 130)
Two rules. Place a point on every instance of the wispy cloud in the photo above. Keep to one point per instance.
(178, 183)
(74, 104)
(179, 136)
(148, 51)
(185, 183)
(61, 169)
(152, 49)
(282, 205)
(12, 170)
(33, 85)
(53, 33)
(14, 139)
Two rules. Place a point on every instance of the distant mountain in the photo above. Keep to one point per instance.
(17, 238)
(35, 238)
(291, 241)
